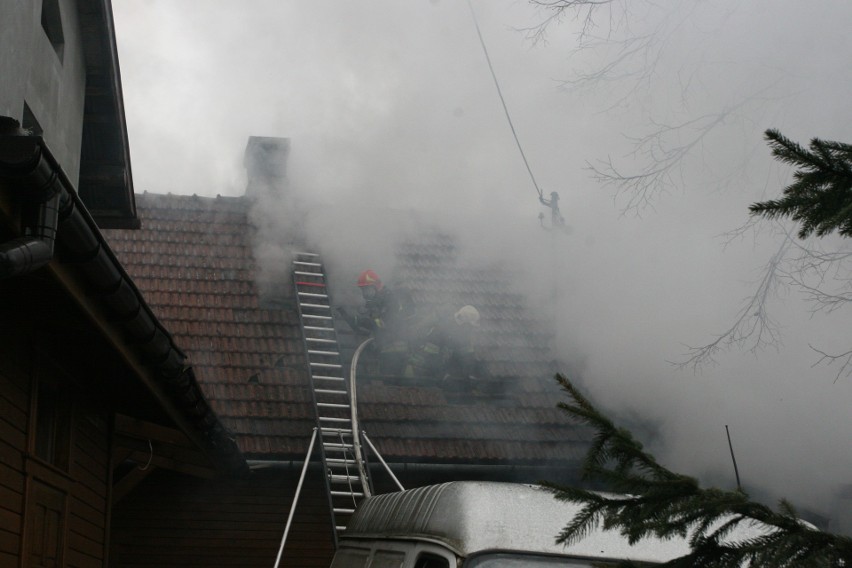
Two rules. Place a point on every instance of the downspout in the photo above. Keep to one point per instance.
(39, 216)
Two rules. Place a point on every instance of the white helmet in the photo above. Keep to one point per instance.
(468, 314)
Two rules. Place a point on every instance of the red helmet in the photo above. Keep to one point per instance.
(370, 278)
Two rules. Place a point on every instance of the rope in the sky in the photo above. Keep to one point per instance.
(502, 100)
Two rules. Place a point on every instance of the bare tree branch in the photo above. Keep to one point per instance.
(662, 151)
(583, 11)
(844, 359)
(753, 327)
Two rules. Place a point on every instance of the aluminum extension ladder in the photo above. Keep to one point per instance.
(340, 449)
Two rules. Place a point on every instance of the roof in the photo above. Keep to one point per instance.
(475, 516)
(514, 344)
(193, 261)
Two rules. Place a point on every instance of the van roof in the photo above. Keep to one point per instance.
(474, 516)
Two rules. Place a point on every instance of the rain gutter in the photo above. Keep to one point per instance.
(52, 213)
(462, 470)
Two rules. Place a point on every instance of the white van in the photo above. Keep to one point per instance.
(474, 524)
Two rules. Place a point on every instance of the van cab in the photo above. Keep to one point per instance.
(476, 524)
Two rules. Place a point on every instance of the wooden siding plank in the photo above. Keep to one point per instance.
(86, 511)
(82, 543)
(11, 479)
(90, 482)
(77, 559)
(11, 500)
(92, 441)
(10, 521)
(15, 416)
(12, 435)
(7, 559)
(15, 371)
(96, 465)
(86, 528)
(11, 456)
(17, 391)
(92, 498)
(10, 542)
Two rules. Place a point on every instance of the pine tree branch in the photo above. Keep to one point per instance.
(724, 528)
(820, 199)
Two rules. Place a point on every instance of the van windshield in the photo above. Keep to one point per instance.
(516, 560)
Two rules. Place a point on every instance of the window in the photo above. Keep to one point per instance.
(51, 21)
(350, 558)
(52, 425)
(431, 561)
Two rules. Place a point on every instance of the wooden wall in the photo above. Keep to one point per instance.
(50, 514)
(14, 413)
(176, 520)
(89, 510)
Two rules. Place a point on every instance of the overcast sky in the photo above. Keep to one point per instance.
(391, 104)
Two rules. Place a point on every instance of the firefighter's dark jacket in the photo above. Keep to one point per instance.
(388, 317)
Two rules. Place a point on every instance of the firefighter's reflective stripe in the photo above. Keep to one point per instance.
(431, 348)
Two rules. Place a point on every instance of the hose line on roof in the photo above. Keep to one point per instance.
(503, 101)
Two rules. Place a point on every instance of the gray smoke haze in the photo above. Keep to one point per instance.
(390, 106)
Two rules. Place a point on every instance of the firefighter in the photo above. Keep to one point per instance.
(429, 347)
(387, 316)
(462, 361)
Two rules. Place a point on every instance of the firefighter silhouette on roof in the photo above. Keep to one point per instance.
(446, 346)
(389, 317)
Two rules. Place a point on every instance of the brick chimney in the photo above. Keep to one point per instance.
(266, 165)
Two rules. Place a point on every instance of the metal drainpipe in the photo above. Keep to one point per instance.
(40, 213)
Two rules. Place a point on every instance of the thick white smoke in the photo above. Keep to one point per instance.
(390, 106)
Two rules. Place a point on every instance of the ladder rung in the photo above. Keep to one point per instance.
(316, 317)
(311, 254)
(334, 446)
(326, 365)
(336, 432)
(315, 328)
(312, 295)
(329, 391)
(344, 511)
(331, 405)
(303, 263)
(301, 273)
(320, 340)
(340, 528)
(318, 352)
(327, 378)
(337, 461)
(316, 306)
(346, 494)
(343, 478)
(330, 419)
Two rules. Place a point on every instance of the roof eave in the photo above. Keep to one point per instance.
(106, 180)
